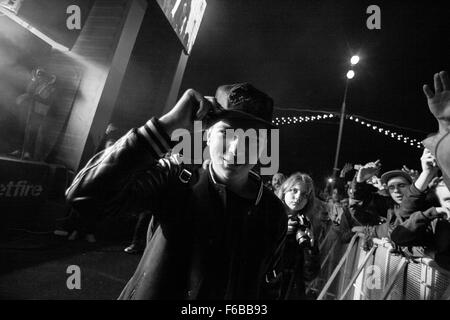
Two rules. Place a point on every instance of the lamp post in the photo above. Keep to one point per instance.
(350, 75)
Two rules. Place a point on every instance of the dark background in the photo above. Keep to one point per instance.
(299, 51)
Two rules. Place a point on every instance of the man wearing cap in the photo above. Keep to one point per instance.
(374, 209)
(425, 223)
(220, 232)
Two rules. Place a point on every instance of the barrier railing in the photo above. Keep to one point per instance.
(380, 273)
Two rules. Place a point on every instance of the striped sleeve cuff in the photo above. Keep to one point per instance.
(156, 137)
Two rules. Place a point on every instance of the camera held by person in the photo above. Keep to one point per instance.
(301, 227)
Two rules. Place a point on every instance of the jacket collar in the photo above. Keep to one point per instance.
(252, 176)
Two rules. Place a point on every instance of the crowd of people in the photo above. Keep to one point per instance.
(217, 231)
(410, 210)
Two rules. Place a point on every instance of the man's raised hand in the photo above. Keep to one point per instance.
(414, 174)
(439, 100)
(345, 169)
(191, 106)
(368, 171)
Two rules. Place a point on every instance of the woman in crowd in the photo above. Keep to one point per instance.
(305, 211)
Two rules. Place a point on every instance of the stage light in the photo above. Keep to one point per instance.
(33, 30)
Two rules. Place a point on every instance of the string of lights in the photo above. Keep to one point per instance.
(390, 133)
(373, 125)
(299, 119)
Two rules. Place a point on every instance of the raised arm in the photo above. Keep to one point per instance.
(361, 190)
(366, 205)
(439, 100)
(131, 173)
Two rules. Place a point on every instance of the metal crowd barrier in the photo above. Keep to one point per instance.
(348, 272)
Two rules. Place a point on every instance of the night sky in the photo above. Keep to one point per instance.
(298, 52)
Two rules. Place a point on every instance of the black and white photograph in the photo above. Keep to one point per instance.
(232, 157)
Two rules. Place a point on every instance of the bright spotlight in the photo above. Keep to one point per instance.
(350, 74)
(33, 30)
(354, 60)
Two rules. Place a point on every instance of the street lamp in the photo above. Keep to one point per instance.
(354, 60)
(350, 75)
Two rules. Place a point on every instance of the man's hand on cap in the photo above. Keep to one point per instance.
(191, 106)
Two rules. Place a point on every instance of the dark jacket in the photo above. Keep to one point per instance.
(419, 229)
(370, 208)
(199, 249)
(344, 229)
(301, 265)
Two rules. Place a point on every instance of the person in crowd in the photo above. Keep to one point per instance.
(34, 106)
(345, 203)
(277, 180)
(304, 211)
(370, 208)
(428, 228)
(112, 134)
(427, 225)
(348, 225)
(337, 187)
(335, 208)
(413, 173)
(220, 233)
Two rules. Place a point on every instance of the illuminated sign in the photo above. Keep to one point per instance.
(185, 17)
